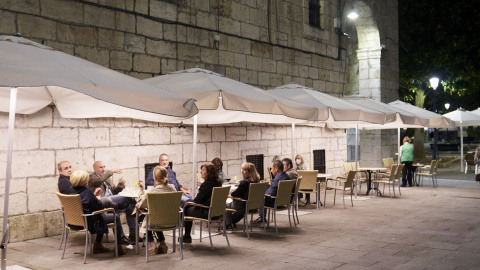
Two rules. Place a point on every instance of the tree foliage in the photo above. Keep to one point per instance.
(440, 38)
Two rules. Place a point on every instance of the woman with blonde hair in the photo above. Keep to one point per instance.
(97, 224)
(301, 166)
(160, 179)
(406, 157)
(250, 175)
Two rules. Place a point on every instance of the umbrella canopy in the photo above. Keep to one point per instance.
(44, 75)
(435, 120)
(223, 100)
(331, 109)
(477, 111)
(33, 76)
(463, 118)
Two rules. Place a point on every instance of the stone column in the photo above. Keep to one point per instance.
(369, 72)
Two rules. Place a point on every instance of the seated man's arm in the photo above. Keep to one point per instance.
(97, 180)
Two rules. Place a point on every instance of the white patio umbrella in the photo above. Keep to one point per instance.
(477, 111)
(463, 118)
(33, 76)
(435, 120)
(223, 100)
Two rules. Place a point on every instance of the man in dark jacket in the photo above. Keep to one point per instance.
(279, 175)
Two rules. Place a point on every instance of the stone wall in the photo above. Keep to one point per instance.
(44, 139)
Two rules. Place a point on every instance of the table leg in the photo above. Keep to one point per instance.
(369, 181)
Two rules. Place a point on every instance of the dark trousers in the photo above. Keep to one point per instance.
(109, 219)
(407, 173)
(270, 202)
(193, 211)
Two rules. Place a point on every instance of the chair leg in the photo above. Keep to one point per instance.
(296, 212)
(65, 242)
(351, 196)
(334, 196)
(225, 229)
(210, 233)
(146, 240)
(201, 230)
(264, 228)
(289, 221)
(275, 218)
(343, 196)
(245, 224)
(86, 246)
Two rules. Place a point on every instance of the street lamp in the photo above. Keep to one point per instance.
(447, 106)
(434, 84)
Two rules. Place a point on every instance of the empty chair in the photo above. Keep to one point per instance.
(435, 171)
(469, 161)
(427, 171)
(390, 181)
(282, 201)
(295, 201)
(341, 185)
(309, 185)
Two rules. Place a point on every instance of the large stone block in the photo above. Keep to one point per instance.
(58, 138)
(231, 26)
(121, 60)
(17, 203)
(163, 10)
(169, 65)
(239, 45)
(24, 139)
(7, 22)
(232, 73)
(201, 153)
(53, 223)
(79, 158)
(149, 28)
(268, 133)
(124, 136)
(134, 43)
(275, 148)
(188, 52)
(111, 39)
(159, 135)
(77, 35)
(229, 150)
(123, 122)
(181, 135)
(254, 63)
(227, 58)
(27, 6)
(254, 133)
(125, 22)
(204, 135)
(185, 175)
(213, 150)
(198, 37)
(236, 133)
(30, 163)
(218, 134)
(94, 137)
(101, 122)
(100, 17)
(93, 54)
(264, 79)
(40, 194)
(281, 133)
(146, 63)
(36, 27)
(161, 48)
(26, 227)
(253, 148)
(62, 10)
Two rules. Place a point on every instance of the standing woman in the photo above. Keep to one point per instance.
(250, 175)
(160, 180)
(406, 157)
(477, 162)
(301, 166)
(210, 174)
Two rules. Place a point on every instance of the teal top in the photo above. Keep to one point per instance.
(407, 152)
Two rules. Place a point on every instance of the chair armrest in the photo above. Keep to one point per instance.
(195, 204)
(103, 211)
(236, 198)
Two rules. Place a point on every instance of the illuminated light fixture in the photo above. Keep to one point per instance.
(434, 82)
(447, 106)
(352, 15)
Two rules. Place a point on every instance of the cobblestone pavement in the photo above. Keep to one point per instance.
(424, 228)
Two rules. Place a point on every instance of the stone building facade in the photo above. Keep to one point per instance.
(262, 43)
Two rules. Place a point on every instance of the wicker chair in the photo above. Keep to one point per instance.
(164, 215)
(283, 201)
(295, 200)
(309, 184)
(254, 204)
(345, 185)
(74, 216)
(429, 173)
(389, 181)
(216, 211)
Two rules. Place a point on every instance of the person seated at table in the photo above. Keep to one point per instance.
(219, 166)
(160, 178)
(288, 168)
(279, 175)
(250, 175)
(97, 224)
(210, 175)
(301, 165)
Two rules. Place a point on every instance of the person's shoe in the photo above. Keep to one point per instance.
(131, 237)
(228, 227)
(162, 249)
(99, 248)
(187, 239)
(127, 241)
(152, 248)
(121, 251)
(258, 220)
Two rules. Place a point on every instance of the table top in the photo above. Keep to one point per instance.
(371, 169)
(128, 193)
(418, 165)
(324, 175)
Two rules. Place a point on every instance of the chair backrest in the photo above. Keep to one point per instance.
(395, 172)
(72, 208)
(432, 166)
(163, 208)
(347, 166)
(217, 203)
(438, 162)
(297, 186)
(388, 162)
(309, 180)
(469, 159)
(350, 178)
(284, 192)
(256, 195)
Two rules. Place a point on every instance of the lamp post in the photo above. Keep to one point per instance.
(447, 106)
(434, 84)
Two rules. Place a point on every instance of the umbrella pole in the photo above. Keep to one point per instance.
(293, 143)
(11, 128)
(398, 146)
(194, 163)
(461, 146)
